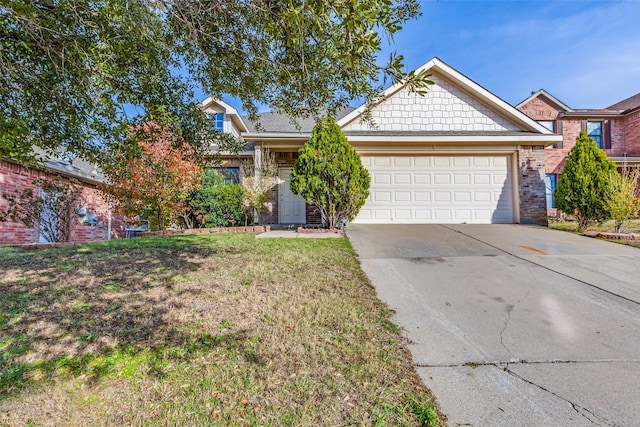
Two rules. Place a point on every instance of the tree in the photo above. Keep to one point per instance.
(329, 174)
(622, 202)
(49, 208)
(583, 182)
(74, 73)
(153, 174)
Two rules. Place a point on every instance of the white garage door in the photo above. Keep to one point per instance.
(438, 189)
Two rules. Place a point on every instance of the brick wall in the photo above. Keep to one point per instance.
(540, 108)
(631, 133)
(17, 178)
(533, 203)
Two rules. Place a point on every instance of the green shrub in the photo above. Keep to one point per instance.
(584, 181)
(622, 202)
(217, 204)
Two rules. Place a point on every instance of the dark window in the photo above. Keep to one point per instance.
(218, 121)
(594, 130)
(231, 175)
(550, 183)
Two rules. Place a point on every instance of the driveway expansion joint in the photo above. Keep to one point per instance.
(500, 364)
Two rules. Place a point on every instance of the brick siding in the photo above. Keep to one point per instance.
(631, 133)
(533, 202)
(17, 178)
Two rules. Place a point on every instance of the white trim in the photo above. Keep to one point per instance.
(548, 139)
(228, 110)
(437, 65)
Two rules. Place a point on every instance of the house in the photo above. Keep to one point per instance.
(93, 219)
(616, 129)
(459, 154)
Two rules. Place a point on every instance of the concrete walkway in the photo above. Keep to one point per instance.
(293, 234)
(514, 325)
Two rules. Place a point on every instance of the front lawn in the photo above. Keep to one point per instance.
(201, 330)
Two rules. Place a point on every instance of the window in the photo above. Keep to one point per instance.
(594, 130)
(548, 124)
(553, 126)
(231, 175)
(550, 184)
(218, 121)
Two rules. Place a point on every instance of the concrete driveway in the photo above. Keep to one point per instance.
(513, 325)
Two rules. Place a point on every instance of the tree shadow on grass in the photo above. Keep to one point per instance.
(83, 309)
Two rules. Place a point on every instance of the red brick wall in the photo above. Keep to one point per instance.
(540, 108)
(533, 202)
(631, 133)
(14, 177)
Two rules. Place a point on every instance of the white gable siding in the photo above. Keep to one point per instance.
(445, 107)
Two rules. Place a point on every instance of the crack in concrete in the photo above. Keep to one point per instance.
(506, 324)
(580, 410)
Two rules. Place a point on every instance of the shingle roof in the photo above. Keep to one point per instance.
(73, 166)
(628, 104)
(275, 122)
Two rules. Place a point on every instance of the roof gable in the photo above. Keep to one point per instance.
(561, 106)
(453, 103)
(220, 106)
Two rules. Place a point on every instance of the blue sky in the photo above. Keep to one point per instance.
(585, 53)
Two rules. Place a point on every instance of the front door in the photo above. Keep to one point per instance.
(291, 207)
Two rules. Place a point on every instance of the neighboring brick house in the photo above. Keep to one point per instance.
(91, 222)
(616, 129)
(459, 154)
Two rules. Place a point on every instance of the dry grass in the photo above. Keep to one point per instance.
(201, 330)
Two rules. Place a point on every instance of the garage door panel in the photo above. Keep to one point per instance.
(462, 196)
(462, 179)
(441, 179)
(421, 179)
(382, 161)
(438, 189)
(400, 162)
(422, 161)
(402, 178)
(381, 178)
(481, 161)
(402, 196)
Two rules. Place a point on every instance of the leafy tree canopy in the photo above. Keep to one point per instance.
(584, 181)
(74, 73)
(329, 174)
(154, 175)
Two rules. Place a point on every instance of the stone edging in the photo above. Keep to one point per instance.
(248, 229)
(303, 230)
(613, 236)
